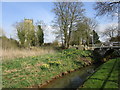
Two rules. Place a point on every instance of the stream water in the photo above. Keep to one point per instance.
(72, 80)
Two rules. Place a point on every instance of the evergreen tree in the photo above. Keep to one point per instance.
(95, 38)
(40, 35)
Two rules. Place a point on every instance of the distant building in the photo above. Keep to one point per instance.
(28, 25)
(29, 21)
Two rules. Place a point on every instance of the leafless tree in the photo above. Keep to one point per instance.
(109, 9)
(110, 31)
(106, 8)
(67, 16)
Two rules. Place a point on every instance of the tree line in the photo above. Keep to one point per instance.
(75, 28)
(72, 27)
(71, 24)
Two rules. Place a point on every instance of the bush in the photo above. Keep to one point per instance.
(8, 43)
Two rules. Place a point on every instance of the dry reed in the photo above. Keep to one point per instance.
(17, 53)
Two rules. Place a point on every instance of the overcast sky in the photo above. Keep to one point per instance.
(16, 11)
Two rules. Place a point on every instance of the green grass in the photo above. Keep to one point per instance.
(106, 76)
(36, 70)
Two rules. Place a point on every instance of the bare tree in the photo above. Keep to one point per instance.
(109, 9)
(67, 16)
(110, 31)
(106, 8)
(92, 24)
(58, 31)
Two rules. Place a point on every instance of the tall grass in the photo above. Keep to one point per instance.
(21, 53)
(10, 49)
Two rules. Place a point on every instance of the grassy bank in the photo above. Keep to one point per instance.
(106, 76)
(36, 70)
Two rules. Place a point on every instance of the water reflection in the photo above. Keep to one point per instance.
(72, 80)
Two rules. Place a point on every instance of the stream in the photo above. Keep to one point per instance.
(72, 80)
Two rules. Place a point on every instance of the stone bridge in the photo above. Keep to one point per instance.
(102, 52)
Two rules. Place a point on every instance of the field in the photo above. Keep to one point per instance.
(106, 76)
(36, 70)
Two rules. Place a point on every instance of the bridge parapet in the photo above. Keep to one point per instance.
(107, 47)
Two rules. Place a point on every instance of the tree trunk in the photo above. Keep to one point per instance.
(68, 43)
(65, 37)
